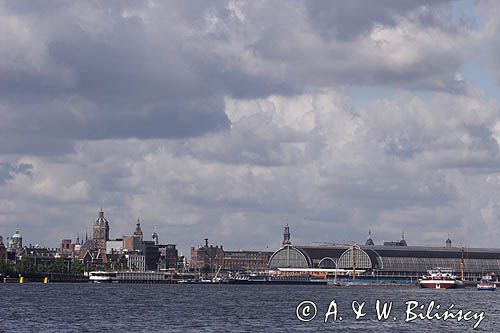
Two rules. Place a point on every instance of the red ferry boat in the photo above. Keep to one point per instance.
(440, 278)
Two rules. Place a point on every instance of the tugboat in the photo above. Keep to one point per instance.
(487, 283)
(440, 278)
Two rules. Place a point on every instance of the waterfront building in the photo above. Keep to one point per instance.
(101, 252)
(168, 256)
(39, 257)
(211, 258)
(182, 263)
(207, 257)
(136, 243)
(245, 260)
(116, 261)
(136, 261)
(151, 255)
(67, 248)
(93, 259)
(391, 260)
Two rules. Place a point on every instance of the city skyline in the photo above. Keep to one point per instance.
(89, 234)
(227, 120)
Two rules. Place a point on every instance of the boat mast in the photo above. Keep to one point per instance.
(218, 271)
(353, 262)
(462, 264)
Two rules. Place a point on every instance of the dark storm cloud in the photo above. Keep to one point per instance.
(88, 70)
(123, 82)
(49, 128)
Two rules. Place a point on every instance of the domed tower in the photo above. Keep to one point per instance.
(101, 228)
(448, 242)
(138, 231)
(16, 241)
(286, 236)
(369, 241)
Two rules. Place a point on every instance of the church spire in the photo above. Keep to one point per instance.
(138, 230)
(286, 236)
(402, 242)
(369, 241)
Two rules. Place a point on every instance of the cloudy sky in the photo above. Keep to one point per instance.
(229, 119)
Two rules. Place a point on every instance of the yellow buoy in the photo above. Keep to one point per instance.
(21, 279)
(45, 280)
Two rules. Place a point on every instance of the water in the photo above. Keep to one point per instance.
(226, 308)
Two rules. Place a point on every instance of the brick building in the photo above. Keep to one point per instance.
(168, 256)
(67, 248)
(207, 257)
(211, 258)
(245, 260)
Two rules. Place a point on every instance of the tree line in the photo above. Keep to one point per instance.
(25, 265)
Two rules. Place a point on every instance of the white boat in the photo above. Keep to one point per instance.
(102, 276)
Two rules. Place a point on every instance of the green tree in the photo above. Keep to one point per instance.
(41, 268)
(6, 268)
(24, 266)
(77, 267)
(57, 266)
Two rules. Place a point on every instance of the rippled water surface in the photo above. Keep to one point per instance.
(228, 308)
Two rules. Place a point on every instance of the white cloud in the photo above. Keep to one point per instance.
(254, 94)
(331, 170)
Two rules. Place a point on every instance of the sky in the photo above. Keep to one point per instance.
(227, 120)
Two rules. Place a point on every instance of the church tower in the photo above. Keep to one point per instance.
(138, 231)
(286, 236)
(369, 241)
(101, 229)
